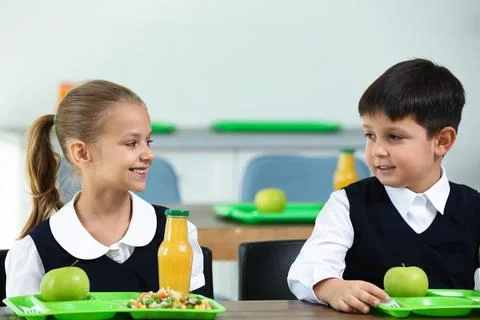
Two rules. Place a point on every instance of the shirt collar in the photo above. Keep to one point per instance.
(402, 198)
(69, 232)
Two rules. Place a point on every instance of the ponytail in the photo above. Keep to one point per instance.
(42, 168)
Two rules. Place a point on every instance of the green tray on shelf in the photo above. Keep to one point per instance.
(295, 212)
(230, 126)
(163, 127)
(437, 303)
(99, 306)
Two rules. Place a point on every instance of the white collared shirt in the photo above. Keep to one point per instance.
(24, 268)
(323, 254)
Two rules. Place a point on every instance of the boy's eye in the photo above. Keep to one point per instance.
(395, 137)
(369, 135)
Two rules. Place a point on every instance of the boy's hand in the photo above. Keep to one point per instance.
(350, 296)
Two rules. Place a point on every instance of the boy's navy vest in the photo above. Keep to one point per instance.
(447, 250)
(138, 273)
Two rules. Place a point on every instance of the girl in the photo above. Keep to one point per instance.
(104, 132)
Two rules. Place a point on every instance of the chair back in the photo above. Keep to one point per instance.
(303, 179)
(3, 276)
(162, 184)
(207, 289)
(263, 269)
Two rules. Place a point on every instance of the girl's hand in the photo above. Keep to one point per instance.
(350, 296)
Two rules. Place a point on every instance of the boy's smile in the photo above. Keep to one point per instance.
(400, 153)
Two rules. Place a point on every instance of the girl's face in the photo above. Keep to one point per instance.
(400, 153)
(122, 154)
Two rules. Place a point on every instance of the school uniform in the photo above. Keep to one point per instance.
(128, 265)
(366, 228)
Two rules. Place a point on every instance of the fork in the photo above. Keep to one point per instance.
(391, 304)
(35, 309)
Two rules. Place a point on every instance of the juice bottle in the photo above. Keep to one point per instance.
(345, 173)
(64, 88)
(175, 253)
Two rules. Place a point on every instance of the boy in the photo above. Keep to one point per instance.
(408, 212)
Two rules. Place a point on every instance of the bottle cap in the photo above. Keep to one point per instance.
(177, 213)
(347, 150)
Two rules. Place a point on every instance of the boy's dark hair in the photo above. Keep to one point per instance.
(429, 93)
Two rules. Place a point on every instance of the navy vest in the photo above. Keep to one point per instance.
(447, 250)
(138, 273)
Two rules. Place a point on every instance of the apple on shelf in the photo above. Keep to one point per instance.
(65, 284)
(270, 200)
(405, 281)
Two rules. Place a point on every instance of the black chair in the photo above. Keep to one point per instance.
(263, 269)
(3, 276)
(207, 289)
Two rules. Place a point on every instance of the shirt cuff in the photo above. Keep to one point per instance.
(197, 281)
(320, 276)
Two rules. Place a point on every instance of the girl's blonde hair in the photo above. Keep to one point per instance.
(79, 116)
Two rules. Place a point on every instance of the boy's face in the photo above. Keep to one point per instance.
(400, 153)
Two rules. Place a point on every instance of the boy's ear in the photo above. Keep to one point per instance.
(79, 153)
(444, 140)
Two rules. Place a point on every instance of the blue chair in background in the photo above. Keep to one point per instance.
(68, 183)
(303, 179)
(162, 185)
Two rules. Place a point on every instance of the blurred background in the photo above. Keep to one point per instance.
(195, 62)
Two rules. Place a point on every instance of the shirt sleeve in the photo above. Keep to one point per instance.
(197, 279)
(323, 254)
(476, 278)
(24, 268)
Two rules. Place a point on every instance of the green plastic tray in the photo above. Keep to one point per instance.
(437, 303)
(274, 126)
(99, 306)
(163, 127)
(299, 212)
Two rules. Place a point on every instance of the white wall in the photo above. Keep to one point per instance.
(196, 61)
(11, 188)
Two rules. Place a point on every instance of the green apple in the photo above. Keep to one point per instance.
(63, 284)
(270, 200)
(404, 281)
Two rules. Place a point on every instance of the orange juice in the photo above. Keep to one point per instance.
(346, 172)
(175, 254)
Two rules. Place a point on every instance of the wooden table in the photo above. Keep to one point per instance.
(279, 310)
(223, 236)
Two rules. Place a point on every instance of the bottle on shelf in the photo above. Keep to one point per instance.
(346, 172)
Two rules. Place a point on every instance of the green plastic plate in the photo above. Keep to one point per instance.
(437, 303)
(163, 127)
(274, 126)
(454, 293)
(300, 212)
(99, 306)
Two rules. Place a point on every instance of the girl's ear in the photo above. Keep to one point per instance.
(444, 140)
(79, 154)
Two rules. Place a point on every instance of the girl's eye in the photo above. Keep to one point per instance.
(132, 144)
(149, 141)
